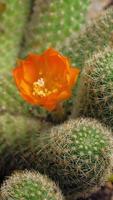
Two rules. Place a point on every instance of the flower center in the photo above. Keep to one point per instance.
(39, 89)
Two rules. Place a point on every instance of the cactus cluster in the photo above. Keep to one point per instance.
(28, 185)
(95, 91)
(58, 18)
(13, 17)
(77, 155)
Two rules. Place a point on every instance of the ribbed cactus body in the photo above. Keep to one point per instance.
(52, 21)
(95, 36)
(12, 102)
(95, 91)
(13, 17)
(77, 155)
(28, 185)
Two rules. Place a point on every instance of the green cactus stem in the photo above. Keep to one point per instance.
(52, 21)
(13, 17)
(13, 128)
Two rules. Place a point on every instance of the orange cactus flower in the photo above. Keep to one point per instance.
(45, 79)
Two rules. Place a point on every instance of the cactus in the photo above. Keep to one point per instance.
(15, 128)
(12, 128)
(12, 102)
(95, 91)
(13, 16)
(77, 154)
(29, 185)
(58, 18)
(95, 36)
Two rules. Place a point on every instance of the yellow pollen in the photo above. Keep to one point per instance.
(39, 89)
(40, 82)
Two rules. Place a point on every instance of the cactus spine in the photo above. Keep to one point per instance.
(29, 185)
(58, 18)
(13, 17)
(95, 36)
(95, 91)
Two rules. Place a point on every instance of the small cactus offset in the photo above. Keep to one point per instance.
(77, 154)
(13, 16)
(28, 185)
(12, 102)
(52, 21)
(95, 92)
(95, 36)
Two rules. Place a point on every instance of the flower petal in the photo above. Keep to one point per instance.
(25, 87)
(64, 95)
(18, 74)
(30, 70)
(74, 72)
(29, 99)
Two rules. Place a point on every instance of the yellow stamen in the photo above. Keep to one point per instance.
(39, 89)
